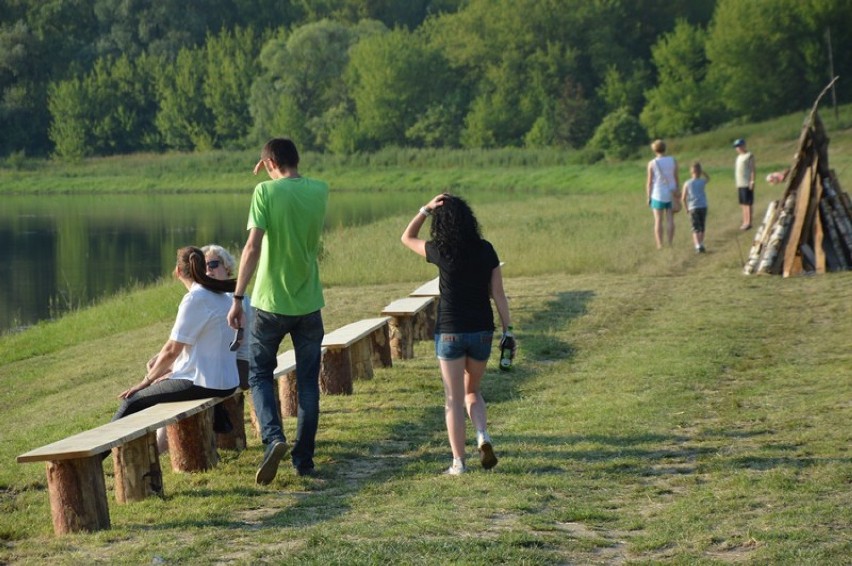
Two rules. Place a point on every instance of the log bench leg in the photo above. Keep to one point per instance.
(361, 357)
(236, 439)
(78, 500)
(430, 320)
(192, 443)
(288, 396)
(336, 372)
(424, 323)
(381, 347)
(402, 337)
(137, 469)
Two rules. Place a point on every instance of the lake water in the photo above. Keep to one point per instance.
(62, 252)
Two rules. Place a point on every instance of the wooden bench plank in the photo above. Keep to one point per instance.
(428, 289)
(407, 306)
(107, 436)
(347, 335)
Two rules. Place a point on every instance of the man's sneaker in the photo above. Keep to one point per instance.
(269, 467)
(486, 455)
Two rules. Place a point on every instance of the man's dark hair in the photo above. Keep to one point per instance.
(282, 151)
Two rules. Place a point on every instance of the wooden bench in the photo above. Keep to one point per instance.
(428, 289)
(75, 477)
(411, 318)
(351, 352)
(348, 353)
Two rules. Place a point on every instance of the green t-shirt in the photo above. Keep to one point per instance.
(291, 212)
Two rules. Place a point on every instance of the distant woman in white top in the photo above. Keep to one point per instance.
(196, 361)
(662, 190)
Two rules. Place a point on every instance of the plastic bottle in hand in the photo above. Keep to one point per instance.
(507, 350)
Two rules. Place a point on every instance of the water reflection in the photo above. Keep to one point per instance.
(63, 252)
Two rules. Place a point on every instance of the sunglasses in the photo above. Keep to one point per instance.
(214, 263)
(238, 338)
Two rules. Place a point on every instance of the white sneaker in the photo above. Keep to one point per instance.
(457, 469)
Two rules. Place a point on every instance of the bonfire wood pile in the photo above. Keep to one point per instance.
(809, 229)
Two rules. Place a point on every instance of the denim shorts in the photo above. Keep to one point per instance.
(455, 345)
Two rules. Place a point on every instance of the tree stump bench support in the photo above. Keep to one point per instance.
(351, 352)
(412, 318)
(428, 289)
(75, 476)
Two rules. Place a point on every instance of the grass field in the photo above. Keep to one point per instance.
(664, 408)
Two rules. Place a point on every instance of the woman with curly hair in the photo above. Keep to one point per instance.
(196, 361)
(469, 277)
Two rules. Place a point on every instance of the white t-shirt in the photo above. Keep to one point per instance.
(742, 169)
(202, 325)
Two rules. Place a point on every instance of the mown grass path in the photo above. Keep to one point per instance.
(681, 414)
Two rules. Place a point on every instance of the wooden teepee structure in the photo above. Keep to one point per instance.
(809, 229)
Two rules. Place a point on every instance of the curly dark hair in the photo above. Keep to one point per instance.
(191, 264)
(455, 230)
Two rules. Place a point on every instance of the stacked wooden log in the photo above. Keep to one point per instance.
(809, 229)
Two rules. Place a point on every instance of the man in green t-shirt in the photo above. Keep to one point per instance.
(285, 224)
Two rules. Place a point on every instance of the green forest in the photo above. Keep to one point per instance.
(83, 78)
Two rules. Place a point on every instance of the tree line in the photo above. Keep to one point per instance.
(102, 77)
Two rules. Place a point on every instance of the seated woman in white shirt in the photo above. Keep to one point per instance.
(196, 361)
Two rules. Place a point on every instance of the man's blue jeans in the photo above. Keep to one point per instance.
(307, 333)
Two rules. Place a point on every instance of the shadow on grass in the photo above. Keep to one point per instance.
(539, 342)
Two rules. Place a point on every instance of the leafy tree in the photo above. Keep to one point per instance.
(231, 67)
(574, 116)
(625, 89)
(683, 101)
(70, 129)
(440, 124)
(618, 135)
(22, 95)
(394, 78)
(301, 80)
(782, 43)
(393, 13)
(184, 122)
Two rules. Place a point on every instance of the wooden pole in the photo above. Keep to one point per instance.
(803, 197)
